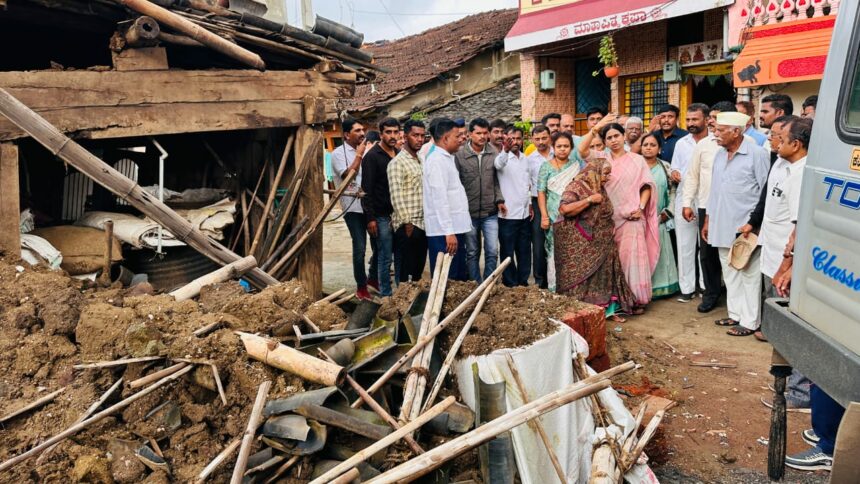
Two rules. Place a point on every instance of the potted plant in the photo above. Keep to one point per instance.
(608, 57)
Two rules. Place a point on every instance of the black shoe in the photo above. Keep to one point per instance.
(685, 298)
(706, 307)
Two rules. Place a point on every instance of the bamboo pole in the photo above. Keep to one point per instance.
(146, 380)
(416, 381)
(295, 229)
(74, 154)
(432, 459)
(373, 404)
(273, 190)
(108, 261)
(218, 460)
(95, 418)
(250, 432)
(230, 271)
(629, 459)
(536, 425)
(217, 377)
(383, 443)
(347, 477)
(604, 466)
(124, 361)
(295, 189)
(89, 411)
(331, 297)
(246, 208)
(344, 299)
(38, 403)
(196, 32)
(478, 292)
(294, 361)
(266, 465)
(455, 348)
(299, 245)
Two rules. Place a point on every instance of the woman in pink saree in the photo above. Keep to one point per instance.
(630, 190)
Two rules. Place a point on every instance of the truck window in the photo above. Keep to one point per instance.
(848, 110)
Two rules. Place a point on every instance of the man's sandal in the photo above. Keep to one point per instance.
(740, 332)
(726, 322)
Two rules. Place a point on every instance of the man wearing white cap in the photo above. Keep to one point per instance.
(739, 173)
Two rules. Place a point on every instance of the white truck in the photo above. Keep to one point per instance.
(817, 331)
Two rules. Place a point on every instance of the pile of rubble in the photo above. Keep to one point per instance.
(122, 385)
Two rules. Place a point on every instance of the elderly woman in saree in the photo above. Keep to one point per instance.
(554, 176)
(631, 189)
(664, 281)
(587, 263)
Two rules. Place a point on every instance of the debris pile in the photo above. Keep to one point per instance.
(107, 386)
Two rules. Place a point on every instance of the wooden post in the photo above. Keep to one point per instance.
(10, 209)
(294, 361)
(311, 204)
(273, 190)
(108, 262)
(103, 174)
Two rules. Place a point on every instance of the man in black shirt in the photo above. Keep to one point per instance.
(669, 131)
(377, 199)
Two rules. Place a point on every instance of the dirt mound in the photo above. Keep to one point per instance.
(398, 304)
(274, 310)
(511, 318)
(49, 322)
(326, 315)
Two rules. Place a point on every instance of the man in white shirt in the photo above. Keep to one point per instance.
(344, 158)
(542, 152)
(687, 232)
(694, 200)
(446, 207)
(515, 213)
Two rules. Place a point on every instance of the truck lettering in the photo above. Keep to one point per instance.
(825, 263)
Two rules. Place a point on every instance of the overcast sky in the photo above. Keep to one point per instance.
(406, 17)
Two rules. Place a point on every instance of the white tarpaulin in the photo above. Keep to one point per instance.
(546, 366)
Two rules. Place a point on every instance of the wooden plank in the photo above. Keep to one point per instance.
(52, 89)
(141, 59)
(10, 233)
(311, 204)
(173, 118)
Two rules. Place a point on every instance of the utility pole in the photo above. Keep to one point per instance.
(307, 14)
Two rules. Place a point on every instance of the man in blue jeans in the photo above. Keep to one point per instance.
(446, 212)
(474, 163)
(826, 416)
(344, 158)
(377, 199)
(515, 230)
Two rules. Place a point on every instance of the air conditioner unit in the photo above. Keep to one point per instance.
(672, 71)
(547, 80)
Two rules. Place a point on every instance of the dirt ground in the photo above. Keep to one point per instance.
(718, 430)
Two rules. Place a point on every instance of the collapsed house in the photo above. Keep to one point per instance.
(222, 122)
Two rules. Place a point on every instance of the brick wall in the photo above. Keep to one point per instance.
(528, 85)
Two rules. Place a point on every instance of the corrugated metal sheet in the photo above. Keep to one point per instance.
(177, 267)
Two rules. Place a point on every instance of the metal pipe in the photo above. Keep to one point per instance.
(160, 185)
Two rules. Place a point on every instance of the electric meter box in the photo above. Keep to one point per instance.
(547, 80)
(672, 71)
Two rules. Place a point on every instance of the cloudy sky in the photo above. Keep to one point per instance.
(387, 19)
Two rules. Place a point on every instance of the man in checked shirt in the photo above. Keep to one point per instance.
(407, 198)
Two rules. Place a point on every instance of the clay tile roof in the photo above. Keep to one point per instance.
(419, 58)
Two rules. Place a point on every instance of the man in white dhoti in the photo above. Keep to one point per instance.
(739, 173)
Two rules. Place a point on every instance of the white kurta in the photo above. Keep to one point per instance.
(446, 208)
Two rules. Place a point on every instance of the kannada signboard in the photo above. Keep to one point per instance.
(546, 21)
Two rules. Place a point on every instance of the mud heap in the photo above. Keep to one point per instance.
(50, 322)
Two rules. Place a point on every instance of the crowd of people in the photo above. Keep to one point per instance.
(616, 217)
